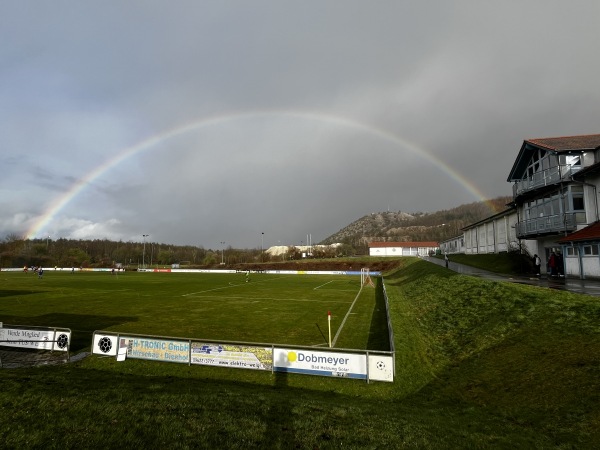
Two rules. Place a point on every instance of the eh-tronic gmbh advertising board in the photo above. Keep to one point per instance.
(165, 350)
(157, 349)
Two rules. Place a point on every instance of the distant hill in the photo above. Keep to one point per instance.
(405, 227)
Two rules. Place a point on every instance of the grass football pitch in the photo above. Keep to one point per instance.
(269, 308)
(479, 364)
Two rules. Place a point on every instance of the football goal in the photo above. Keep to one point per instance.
(365, 277)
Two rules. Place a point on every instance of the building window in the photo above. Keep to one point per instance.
(574, 202)
(543, 207)
(578, 204)
(572, 251)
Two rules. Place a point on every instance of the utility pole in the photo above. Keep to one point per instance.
(144, 236)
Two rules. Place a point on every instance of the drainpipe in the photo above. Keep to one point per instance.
(561, 192)
(580, 258)
(494, 231)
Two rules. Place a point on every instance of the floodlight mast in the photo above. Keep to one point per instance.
(144, 236)
(222, 252)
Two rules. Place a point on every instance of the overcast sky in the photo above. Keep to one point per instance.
(201, 122)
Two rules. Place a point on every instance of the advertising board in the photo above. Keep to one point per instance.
(105, 344)
(35, 338)
(346, 364)
(236, 356)
(324, 363)
(381, 368)
(157, 349)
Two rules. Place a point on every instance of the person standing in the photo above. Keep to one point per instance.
(446, 259)
(537, 264)
(560, 265)
(552, 264)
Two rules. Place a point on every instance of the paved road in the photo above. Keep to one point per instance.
(588, 287)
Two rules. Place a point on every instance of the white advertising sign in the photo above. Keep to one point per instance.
(105, 344)
(236, 356)
(329, 364)
(35, 339)
(381, 368)
(122, 351)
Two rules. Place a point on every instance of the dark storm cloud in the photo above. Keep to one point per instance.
(463, 81)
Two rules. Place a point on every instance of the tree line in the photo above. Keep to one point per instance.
(18, 252)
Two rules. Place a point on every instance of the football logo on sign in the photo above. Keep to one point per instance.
(62, 341)
(105, 344)
(380, 365)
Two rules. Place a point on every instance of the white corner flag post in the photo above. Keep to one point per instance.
(329, 326)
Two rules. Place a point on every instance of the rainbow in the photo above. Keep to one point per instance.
(62, 201)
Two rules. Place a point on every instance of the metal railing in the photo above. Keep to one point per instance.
(546, 177)
(389, 324)
(548, 224)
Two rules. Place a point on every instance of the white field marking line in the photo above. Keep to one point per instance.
(228, 287)
(318, 287)
(345, 317)
(273, 299)
(336, 290)
(102, 291)
(216, 289)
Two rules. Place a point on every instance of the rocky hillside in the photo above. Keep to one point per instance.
(403, 227)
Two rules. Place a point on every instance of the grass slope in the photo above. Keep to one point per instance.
(478, 365)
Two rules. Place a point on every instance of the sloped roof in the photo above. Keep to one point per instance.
(594, 168)
(589, 233)
(564, 144)
(506, 212)
(567, 143)
(403, 244)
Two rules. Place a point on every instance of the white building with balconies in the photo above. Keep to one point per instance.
(555, 190)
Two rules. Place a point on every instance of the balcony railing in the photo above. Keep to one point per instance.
(546, 177)
(549, 224)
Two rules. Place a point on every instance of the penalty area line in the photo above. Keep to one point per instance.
(325, 284)
(229, 286)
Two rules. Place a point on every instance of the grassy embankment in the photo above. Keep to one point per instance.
(478, 364)
(504, 263)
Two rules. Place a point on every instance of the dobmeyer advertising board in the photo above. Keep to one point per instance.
(237, 356)
(325, 363)
(36, 339)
